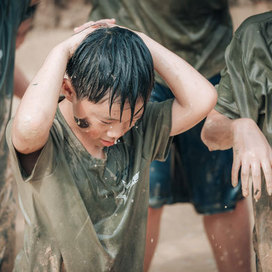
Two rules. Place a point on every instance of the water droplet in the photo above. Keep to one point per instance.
(213, 237)
(115, 214)
(226, 207)
(152, 240)
(95, 165)
(132, 200)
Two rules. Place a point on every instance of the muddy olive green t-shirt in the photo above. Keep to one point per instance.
(86, 212)
(11, 14)
(196, 30)
(245, 89)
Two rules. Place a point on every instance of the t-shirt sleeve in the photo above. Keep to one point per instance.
(47, 160)
(156, 128)
(245, 81)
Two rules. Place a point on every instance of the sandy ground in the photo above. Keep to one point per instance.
(183, 245)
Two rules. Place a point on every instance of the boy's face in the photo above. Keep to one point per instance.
(99, 125)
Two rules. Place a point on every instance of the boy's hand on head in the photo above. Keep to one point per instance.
(95, 24)
(71, 44)
(252, 154)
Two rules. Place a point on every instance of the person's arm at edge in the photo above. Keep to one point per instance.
(251, 150)
(35, 114)
(195, 97)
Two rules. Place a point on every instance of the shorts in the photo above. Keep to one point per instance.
(192, 173)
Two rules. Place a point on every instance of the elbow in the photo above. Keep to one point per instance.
(216, 132)
(27, 134)
(207, 138)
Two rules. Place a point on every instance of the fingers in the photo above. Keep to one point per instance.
(245, 178)
(95, 24)
(256, 180)
(235, 171)
(268, 176)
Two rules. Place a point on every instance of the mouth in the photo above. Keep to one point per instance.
(107, 143)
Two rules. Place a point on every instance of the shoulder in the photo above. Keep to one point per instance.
(254, 25)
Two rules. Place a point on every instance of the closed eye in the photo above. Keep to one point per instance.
(106, 123)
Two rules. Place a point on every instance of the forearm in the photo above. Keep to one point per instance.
(36, 112)
(219, 132)
(194, 95)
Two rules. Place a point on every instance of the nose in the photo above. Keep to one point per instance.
(115, 131)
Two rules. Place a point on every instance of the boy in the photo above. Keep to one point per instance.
(82, 164)
(245, 97)
(190, 174)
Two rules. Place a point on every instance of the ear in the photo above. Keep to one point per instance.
(68, 90)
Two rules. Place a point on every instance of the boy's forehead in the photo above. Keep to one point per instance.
(113, 111)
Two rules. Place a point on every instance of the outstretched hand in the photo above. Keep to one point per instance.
(252, 154)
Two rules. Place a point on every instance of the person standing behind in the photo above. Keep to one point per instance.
(242, 121)
(198, 31)
(12, 13)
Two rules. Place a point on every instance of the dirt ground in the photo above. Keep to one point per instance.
(183, 245)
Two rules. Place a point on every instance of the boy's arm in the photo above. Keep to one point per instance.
(194, 95)
(35, 114)
(251, 151)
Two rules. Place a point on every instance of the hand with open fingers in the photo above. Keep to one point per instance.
(95, 24)
(252, 154)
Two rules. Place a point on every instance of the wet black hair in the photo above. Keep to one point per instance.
(112, 61)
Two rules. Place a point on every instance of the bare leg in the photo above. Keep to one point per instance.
(152, 235)
(229, 236)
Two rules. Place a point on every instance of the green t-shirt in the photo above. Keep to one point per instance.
(90, 212)
(11, 14)
(245, 89)
(196, 30)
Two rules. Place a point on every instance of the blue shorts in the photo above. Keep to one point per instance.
(191, 172)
